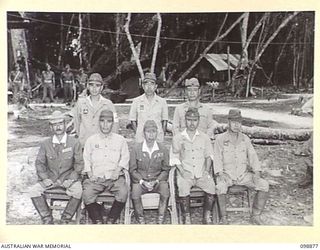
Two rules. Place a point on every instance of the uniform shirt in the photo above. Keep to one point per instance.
(191, 153)
(146, 166)
(67, 77)
(86, 116)
(48, 77)
(235, 160)
(103, 154)
(59, 160)
(142, 110)
(206, 123)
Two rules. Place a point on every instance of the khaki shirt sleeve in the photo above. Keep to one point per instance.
(176, 122)
(133, 111)
(87, 157)
(211, 124)
(175, 151)
(208, 148)
(124, 156)
(218, 155)
(164, 113)
(76, 111)
(253, 160)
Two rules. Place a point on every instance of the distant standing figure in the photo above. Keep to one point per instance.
(16, 81)
(82, 79)
(48, 82)
(67, 83)
(149, 106)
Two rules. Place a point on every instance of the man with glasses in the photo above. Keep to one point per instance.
(149, 106)
(87, 110)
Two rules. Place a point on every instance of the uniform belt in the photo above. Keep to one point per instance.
(48, 81)
(68, 81)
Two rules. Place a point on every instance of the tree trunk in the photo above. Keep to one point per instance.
(61, 42)
(156, 44)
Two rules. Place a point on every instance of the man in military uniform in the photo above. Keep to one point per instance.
(206, 123)
(149, 106)
(105, 156)
(149, 170)
(192, 154)
(16, 81)
(236, 163)
(86, 111)
(67, 83)
(48, 82)
(82, 79)
(59, 164)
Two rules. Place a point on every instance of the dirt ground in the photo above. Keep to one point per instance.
(287, 205)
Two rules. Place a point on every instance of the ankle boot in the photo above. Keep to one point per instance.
(185, 209)
(207, 208)
(94, 211)
(259, 203)
(43, 209)
(222, 201)
(138, 210)
(163, 205)
(70, 210)
(115, 212)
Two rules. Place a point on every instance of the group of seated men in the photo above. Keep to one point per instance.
(103, 156)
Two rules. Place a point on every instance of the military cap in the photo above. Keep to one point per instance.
(150, 77)
(95, 77)
(150, 124)
(193, 82)
(235, 115)
(56, 117)
(106, 113)
(67, 66)
(192, 113)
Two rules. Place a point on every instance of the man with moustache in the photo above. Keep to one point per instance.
(59, 164)
(149, 106)
(149, 170)
(236, 163)
(192, 154)
(105, 156)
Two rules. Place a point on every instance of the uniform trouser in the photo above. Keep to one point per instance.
(162, 188)
(48, 88)
(75, 190)
(206, 183)
(245, 180)
(67, 91)
(91, 190)
(16, 88)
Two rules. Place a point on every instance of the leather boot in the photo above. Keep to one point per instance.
(115, 212)
(163, 205)
(185, 209)
(70, 210)
(222, 201)
(259, 203)
(94, 211)
(138, 210)
(43, 209)
(308, 179)
(207, 209)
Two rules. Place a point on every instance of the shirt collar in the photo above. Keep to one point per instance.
(55, 139)
(89, 99)
(154, 99)
(199, 104)
(185, 134)
(146, 149)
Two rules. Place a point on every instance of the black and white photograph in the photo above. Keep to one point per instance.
(193, 118)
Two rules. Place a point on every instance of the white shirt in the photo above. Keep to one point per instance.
(63, 141)
(146, 149)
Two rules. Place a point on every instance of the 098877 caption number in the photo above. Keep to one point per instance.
(308, 245)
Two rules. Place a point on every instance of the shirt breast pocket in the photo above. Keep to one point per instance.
(114, 155)
(51, 157)
(228, 155)
(67, 156)
(98, 156)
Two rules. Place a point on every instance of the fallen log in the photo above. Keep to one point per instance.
(264, 133)
(268, 142)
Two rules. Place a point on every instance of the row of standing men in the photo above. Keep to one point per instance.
(105, 154)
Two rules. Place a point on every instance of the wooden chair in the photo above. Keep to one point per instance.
(150, 201)
(107, 197)
(59, 194)
(244, 193)
(196, 199)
